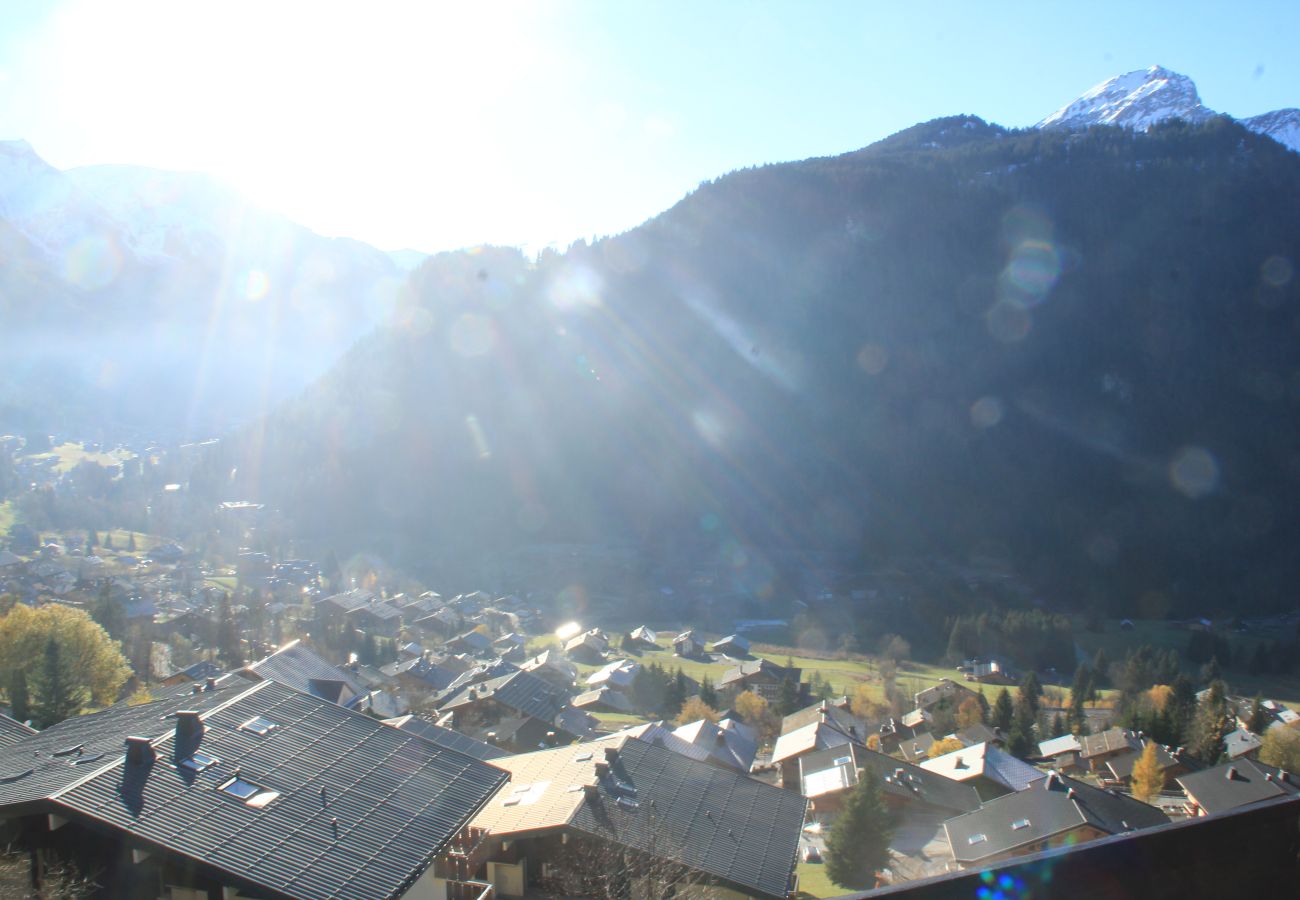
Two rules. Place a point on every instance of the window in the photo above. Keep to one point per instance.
(977, 838)
(842, 760)
(259, 726)
(1019, 824)
(199, 761)
(253, 795)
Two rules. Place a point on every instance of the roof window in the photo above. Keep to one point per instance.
(842, 760)
(1019, 824)
(253, 795)
(977, 838)
(199, 761)
(259, 725)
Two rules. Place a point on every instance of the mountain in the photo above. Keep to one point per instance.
(1144, 97)
(135, 298)
(1075, 352)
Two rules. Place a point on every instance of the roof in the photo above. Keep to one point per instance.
(842, 719)
(731, 640)
(988, 761)
(730, 743)
(1054, 806)
(298, 666)
(616, 674)
(751, 667)
(1066, 743)
(917, 747)
(722, 823)
(828, 771)
(446, 738)
(1111, 741)
(396, 797)
(979, 733)
(527, 695)
(349, 600)
(1121, 766)
(552, 660)
(817, 736)
(603, 696)
(643, 633)
(12, 731)
(1240, 742)
(1238, 783)
(436, 676)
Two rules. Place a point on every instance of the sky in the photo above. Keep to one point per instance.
(442, 125)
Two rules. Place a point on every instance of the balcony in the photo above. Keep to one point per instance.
(470, 890)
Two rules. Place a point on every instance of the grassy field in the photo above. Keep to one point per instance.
(814, 883)
(69, 455)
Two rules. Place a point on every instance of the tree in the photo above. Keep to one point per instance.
(787, 696)
(858, 845)
(970, 713)
(754, 711)
(947, 745)
(695, 709)
(675, 695)
(1021, 740)
(109, 611)
(19, 701)
(1003, 711)
(863, 703)
(94, 660)
(708, 696)
(1259, 718)
(1281, 748)
(1148, 779)
(1209, 726)
(58, 695)
(130, 541)
(895, 648)
(229, 647)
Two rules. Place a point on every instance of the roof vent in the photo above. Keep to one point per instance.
(197, 689)
(1072, 794)
(1231, 774)
(611, 755)
(898, 773)
(139, 751)
(211, 684)
(1268, 776)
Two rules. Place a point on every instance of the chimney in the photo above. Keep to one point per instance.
(1231, 773)
(139, 751)
(898, 773)
(189, 727)
(212, 684)
(853, 732)
(611, 755)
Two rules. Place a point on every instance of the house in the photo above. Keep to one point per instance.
(762, 676)
(602, 699)
(510, 646)
(1055, 811)
(1062, 753)
(588, 647)
(687, 645)
(481, 708)
(644, 637)
(1235, 784)
(670, 824)
(1119, 769)
(552, 668)
(824, 709)
(420, 675)
(246, 790)
(916, 748)
(826, 776)
(979, 733)
(298, 666)
(1099, 749)
(946, 689)
(817, 735)
(991, 672)
(1241, 743)
(728, 743)
(986, 768)
(731, 645)
(199, 671)
(617, 675)
(475, 643)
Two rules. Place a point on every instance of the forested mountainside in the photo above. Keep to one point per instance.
(1075, 350)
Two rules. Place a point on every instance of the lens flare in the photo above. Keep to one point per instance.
(92, 262)
(1194, 472)
(1277, 271)
(986, 412)
(256, 284)
(472, 335)
(873, 358)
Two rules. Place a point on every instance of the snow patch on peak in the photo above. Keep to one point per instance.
(1136, 100)
(1282, 125)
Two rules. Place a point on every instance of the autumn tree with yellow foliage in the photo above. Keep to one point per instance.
(1148, 780)
(947, 745)
(695, 709)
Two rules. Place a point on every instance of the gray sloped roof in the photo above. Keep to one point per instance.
(712, 820)
(446, 738)
(397, 797)
(298, 666)
(12, 731)
(901, 779)
(1053, 806)
(1238, 783)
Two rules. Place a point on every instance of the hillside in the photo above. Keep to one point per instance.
(1076, 351)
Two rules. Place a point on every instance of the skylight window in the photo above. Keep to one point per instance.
(583, 757)
(199, 761)
(1019, 824)
(977, 838)
(259, 726)
(842, 760)
(253, 795)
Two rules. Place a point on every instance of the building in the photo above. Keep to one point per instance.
(243, 790)
(1056, 811)
(946, 689)
(552, 668)
(688, 645)
(617, 675)
(574, 818)
(1241, 743)
(445, 737)
(732, 645)
(820, 734)
(519, 711)
(986, 768)
(826, 776)
(762, 676)
(1229, 786)
(589, 647)
(1099, 749)
(298, 666)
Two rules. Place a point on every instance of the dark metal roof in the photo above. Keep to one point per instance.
(1050, 807)
(450, 740)
(712, 820)
(12, 731)
(1238, 783)
(750, 668)
(397, 797)
(1121, 767)
(298, 666)
(521, 691)
(824, 710)
(900, 779)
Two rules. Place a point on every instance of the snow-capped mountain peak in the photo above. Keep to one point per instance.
(1141, 98)
(1134, 100)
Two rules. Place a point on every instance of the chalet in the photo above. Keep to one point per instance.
(475, 643)
(687, 645)
(824, 709)
(588, 647)
(1232, 785)
(1062, 753)
(1055, 811)
(552, 668)
(518, 695)
(762, 676)
(248, 790)
(1240, 744)
(916, 748)
(644, 637)
(946, 689)
(298, 666)
(510, 646)
(445, 737)
(617, 675)
(979, 733)
(827, 775)
(602, 699)
(793, 745)
(991, 672)
(668, 824)
(987, 769)
(420, 674)
(732, 645)
(1099, 749)
(1119, 769)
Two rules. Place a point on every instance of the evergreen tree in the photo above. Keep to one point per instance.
(1021, 741)
(1211, 671)
(109, 611)
(675, 695)
(108, 540)
(787, 696)
(1211, 723)
(229, 648)
(1259, 718)
(1059, 725)
(1181, 708)
(58, 696)
(1101, 668)
(19, 701)
(130, 541)
(858, 845)
(707, 694)
(1032, 691)
(1003, 711)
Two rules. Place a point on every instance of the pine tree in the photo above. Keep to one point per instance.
(1021, 741)
(707, 694)
(1101, 668)
(1003, 711)
(1210, 725)
(675, 695)
(1148, 780)
(787, 696)
(1032, 691)
(858, 845)
(57, 695)
(109, 611)
(228, 643)
(20, 706)
(1259, 718)
(108, 540)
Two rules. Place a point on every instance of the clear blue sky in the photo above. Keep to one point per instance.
(441, 125)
